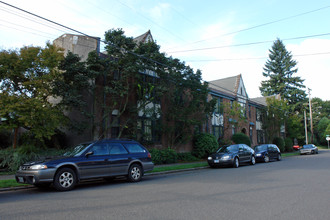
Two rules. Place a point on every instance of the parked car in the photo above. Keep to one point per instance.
(232, 155)
(296, 147)
(309, 149)
(267, 152)
(98, 159)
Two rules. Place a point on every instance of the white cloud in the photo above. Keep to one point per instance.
(315, 69)
(159, 12)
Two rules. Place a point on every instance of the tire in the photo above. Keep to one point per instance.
(279, 157)
(236, 162)
(253, 160)
(135, 173)
(266, 159)
(65, 179)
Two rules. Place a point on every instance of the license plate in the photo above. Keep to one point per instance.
(21, 179)
(216, 161)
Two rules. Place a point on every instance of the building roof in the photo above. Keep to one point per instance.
(144, 38)
(233, 86)
(263, 100)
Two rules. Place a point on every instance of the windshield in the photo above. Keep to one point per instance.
(228, 149)
(308, 146)
(261, 148)
(77, 150)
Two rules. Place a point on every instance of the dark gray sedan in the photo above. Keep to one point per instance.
(232, 155)
(309, 149)
(100, 159)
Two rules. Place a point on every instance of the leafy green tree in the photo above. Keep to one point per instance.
(185, 99)
(73, 90)
(275, 117)
(295, 127)
(116, 85)
(26, 78)
(280, 70)
(322, 126)
(235, 114)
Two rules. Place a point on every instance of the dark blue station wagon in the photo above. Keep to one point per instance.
(99, 159)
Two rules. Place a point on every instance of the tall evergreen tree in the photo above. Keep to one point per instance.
(280, 69)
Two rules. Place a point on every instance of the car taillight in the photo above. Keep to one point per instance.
(149, 155)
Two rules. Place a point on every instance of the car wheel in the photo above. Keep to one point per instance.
(65, 179)
(236, 162)
(279, 157)
(135, 173)
(266, 159)
(253, 160)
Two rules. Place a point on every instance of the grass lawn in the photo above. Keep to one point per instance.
(10, 183)
(178, 167)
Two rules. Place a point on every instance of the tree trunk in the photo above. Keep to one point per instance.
(15, 138)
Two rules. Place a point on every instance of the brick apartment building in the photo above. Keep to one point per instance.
(227, 90)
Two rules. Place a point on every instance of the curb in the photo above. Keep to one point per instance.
(146, 174)
(175, 171)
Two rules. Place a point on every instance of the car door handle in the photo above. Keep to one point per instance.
(106, 159)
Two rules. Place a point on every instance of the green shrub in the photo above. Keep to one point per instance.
(187, 157)
(280, 143)
(225, 142)
(163, 156)
(241, 138)
(204, 144)
(11, 159)
(288, 144)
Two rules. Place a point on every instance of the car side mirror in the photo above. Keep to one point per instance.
(89, 153)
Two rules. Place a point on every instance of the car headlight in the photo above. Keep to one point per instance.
(38, 167)
(225, 157)
(258, 155)
(209, 158)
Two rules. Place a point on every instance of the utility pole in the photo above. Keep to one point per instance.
(306, 134)
(310, 114)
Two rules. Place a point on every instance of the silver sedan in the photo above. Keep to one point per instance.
(309, 149)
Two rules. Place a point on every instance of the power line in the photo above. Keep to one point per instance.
(26, 28)
(63, 26)
(248, 44)
(177, 36)
(53, 22)
(27, 18)
(261, 25)
(254, 58)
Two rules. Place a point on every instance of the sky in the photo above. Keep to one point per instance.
(220, 38)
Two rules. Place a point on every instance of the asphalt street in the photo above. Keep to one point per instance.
(294, 188)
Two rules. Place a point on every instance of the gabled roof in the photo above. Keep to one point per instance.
(263, 100)
(144, 38)
(231, 85)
